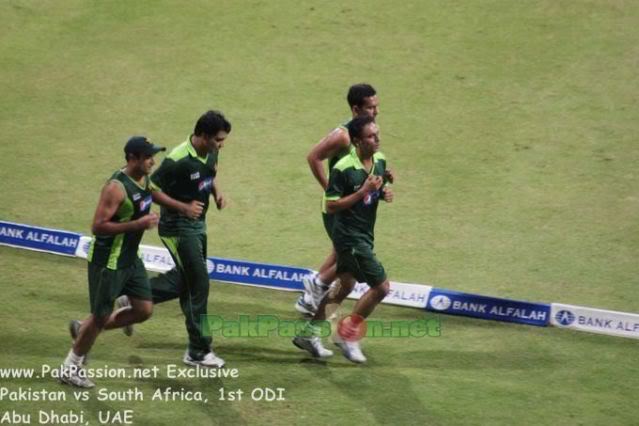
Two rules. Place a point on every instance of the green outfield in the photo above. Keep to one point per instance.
(511, 126)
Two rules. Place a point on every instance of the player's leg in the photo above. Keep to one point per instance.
(138, 306)
(310, 339)
(351, 326)
(323, 279)
(316, 286)
(91, 327)
(351, 329)
(167, 286)
(369, 300)
(335, 296)
(328, 271)
(371, 271)
(139, 310)
(104, 286)
(194, 301)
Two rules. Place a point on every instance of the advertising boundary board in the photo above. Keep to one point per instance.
(591, 320)
(39, 239)
(289, 278)
(484, 307)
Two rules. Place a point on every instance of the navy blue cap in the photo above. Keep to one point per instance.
(141, 145)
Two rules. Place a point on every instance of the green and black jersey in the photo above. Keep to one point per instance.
(355, 225)
(335, 158)
(185, 176)
(121, 250)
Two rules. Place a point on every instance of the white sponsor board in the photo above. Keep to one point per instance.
(83, 247)
(156, 259)
(402, 294)
(593, 320)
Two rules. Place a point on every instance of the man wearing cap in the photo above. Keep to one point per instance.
(183, 185)
(121, 217)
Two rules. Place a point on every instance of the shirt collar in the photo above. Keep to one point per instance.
(193, 152)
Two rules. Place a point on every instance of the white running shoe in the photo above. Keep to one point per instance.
(304, 306)
(351, 350)
(314, 289)
(75, 375)
(210, 360)
(124, 302)
(312, 345)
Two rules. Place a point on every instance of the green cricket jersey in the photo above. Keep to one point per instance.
(185, 176)
(121, 250)
(355, 225)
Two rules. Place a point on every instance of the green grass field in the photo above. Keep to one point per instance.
(512, 127)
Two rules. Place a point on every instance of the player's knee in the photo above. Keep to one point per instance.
(144, 312)
(342, 290)
(384, 289)
(100, 321)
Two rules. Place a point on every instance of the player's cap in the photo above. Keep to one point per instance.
(141, 145)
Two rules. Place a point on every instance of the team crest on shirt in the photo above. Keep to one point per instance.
(371, 197)
(195, 176)
(205, 185)
(146, 203)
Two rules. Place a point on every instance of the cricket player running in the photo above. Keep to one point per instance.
(356, 184)
(121, 217)
(362, 100)
(185, 181)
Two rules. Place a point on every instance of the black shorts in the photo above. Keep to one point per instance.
(361, 262)
(106, 285)
(329, 221)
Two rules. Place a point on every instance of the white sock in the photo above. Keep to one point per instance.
(73, 359)
(320, 283)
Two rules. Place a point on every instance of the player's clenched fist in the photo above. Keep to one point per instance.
(194, 209)
(389, 175)
(149, 221)
(387, 193)
(372, 183)
(220, 201)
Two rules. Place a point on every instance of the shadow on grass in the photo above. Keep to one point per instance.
(156, 344)
(218, 412)
(232, 311)
(379, 391)
(254, 352)
(473, 360)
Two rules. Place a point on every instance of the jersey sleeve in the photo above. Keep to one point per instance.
(161, 178)
(335, 189)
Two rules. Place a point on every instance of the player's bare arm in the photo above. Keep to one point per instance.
(192, 210)
(111, 197)
(330, 146)
(372, 183)
(217, 195)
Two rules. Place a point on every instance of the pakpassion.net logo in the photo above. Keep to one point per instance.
(349, 327)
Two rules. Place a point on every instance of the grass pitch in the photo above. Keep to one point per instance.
(512, 128)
